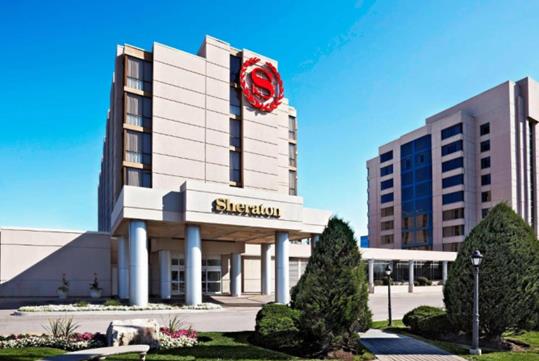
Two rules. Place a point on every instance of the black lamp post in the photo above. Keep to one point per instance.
(476, 259)
(388, 274)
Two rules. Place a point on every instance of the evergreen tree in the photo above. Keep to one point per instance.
(508, 278)
(332, 294)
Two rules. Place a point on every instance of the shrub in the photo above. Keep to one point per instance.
(509, 275)
(379, 283)
(81, 304)
(424, 281)
(112, 302)
(427, 321)
(332, 294)
(277, 327)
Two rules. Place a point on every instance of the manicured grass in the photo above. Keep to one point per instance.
(212, 346)
(384, 324)
(27, 354)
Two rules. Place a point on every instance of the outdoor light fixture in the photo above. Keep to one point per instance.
(476, 259)
(388, 271)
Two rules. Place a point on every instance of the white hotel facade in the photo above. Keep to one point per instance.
(430, 187)
(197, 191)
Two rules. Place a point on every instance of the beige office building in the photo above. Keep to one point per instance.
(194, 175)
(430, 187)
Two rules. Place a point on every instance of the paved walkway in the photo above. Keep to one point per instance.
(394, 347)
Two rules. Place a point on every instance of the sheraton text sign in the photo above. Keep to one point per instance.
(224, 205)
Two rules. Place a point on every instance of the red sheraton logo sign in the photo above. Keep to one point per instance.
(261, 84)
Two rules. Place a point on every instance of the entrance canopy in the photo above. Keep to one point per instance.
(224, 213)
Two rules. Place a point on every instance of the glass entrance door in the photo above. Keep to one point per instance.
(211, 275)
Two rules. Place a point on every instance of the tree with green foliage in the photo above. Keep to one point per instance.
(332, 294)
(508, 278)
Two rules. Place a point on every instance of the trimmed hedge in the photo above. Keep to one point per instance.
(277, 327)
(428, 321)
(424, 281)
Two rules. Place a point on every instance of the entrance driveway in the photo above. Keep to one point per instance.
(237, 315)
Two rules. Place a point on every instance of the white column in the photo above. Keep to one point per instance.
(235, 275)
(282, 289)
(164, 273)
(138, 265)
(444, 272)
(411, 276)
(123, 268)
(265, 271)
(193, 265)
(371, 276)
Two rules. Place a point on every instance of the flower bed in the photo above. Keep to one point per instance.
(79, 341)
(99, 308)
(177, 339)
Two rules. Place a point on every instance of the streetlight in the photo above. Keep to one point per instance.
(476, 259)
(388, 274)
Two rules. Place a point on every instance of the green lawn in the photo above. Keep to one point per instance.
(531, 338)
(212, 346)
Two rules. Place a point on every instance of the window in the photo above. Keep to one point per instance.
(421, 220)
(484, 212)
(485, 162)
(139, 74)
(450, 214)
(451, 131)
(485, 196)
(292, 128)
(407, 222)
(386, 156)
(421, 236)
(235, 167)
(453, 231)
(451, 247)
(235, 101)
(484, 129)
(453, 181)
(386, 170)
(138, 147)
(292, 183)
(423, 174)
(452, 164)
(406, 237)
(452, 147)
(386, 212)
(485, 179)
(235, 68)
(485, 146)
(453, 197)
(386, 239)
(235, 133)
(386, 225)
(138, 177)
(386, 198)
(138, 110)
(292, 155)
(386, 184)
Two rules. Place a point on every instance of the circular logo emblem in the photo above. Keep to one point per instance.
(261, 85)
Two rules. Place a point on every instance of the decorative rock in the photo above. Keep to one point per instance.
(137, 331)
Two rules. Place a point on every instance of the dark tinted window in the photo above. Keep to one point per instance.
(386, 198)
(485, 162)
(235, 101)
(485, 196)
(485, 179)
(485, 145)
(386, 170)
(452, 147)
(484, 212)
(451, 131)
(453, 197)
(484, 129)
(235, 68)
(453, 164)
(386, 156)
(451, 214)
(386, 184)
(453, 181)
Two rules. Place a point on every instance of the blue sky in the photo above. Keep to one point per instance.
(359, 73)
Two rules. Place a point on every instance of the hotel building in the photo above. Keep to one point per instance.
(430, 187)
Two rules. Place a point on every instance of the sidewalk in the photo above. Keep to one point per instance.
(394, 347)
